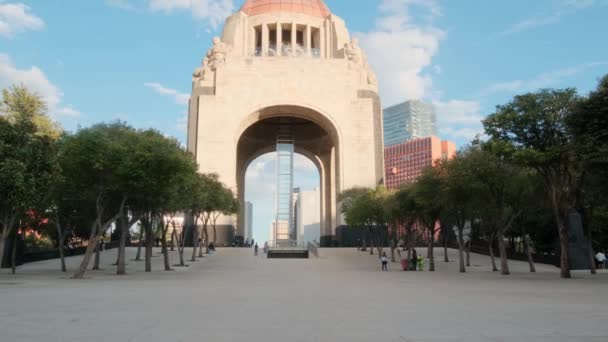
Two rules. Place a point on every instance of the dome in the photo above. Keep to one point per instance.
(315, 8)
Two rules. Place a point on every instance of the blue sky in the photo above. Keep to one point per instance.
(102, 60)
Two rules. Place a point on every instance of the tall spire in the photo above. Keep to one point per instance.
(315, 8)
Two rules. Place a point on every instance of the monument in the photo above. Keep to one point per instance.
(287, 63)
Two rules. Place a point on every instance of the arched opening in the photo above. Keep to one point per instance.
(314, 137)
(260, 191)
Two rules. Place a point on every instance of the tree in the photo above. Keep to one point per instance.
(92, 159)
(405, 214)
(588, 124)
(26, 159)
(535, 127)
(459, 197)
(428, 192)
(347, 199)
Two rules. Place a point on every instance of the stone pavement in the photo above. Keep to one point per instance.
(343, 296)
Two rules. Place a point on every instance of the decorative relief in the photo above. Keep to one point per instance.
(356, 60)
(215, 59)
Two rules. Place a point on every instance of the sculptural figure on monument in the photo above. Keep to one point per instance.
(353, 53)
(201, 72)
(217, 54)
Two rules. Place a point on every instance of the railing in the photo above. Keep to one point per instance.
(287, 51)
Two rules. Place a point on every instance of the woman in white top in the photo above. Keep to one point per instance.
(384, 260)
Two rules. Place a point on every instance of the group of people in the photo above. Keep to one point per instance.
(415, 263)
(256, 248)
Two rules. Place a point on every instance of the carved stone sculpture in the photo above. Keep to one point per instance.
(353, 53)
(217, 54)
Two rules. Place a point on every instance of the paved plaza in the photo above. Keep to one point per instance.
(342, 296)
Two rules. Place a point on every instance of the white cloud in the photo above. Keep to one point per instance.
(179, 98)
(562, 9)
(462, 133)
(121, 4)
(458, 112)
(35, 80)
(16, 18)
(213, 12)
(400, 50)
(182, 123)
(543, 80)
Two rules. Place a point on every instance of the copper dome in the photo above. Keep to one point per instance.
(315, 8)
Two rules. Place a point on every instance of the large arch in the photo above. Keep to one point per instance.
(315, 137)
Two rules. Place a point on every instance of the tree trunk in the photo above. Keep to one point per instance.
(445, 250)
(393, 246)
(491, 248)
(173, 238)
(461, 266)
(565, 248)
(529, 253)
(469, 253)
(88, 253)
(504, 263)
(195, 243)
(430, 253)
(121, 266)
(206, 242)
(97, 257)
(4, 234)
(165, 250)
(140, 242)
(591, 255)
(180, 246)
(14, 254)
(149, 245)
(61, 240)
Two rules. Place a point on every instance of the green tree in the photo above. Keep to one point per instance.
(26, 160)
(534, 125)
(428, 192)
(93, 159)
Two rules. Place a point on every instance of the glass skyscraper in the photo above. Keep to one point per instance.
(409, 120)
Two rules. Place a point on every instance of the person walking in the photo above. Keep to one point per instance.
(255, 250)
(384, 261)
(414, 260)
(600, 259)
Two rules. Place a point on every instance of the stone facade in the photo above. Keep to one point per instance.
(279, 64)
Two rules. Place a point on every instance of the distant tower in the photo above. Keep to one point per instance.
(293, 59)
(409, 120)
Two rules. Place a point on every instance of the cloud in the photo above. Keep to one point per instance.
(458, 112)
(179, 98)
(562, 9)
(121, 4)
(400, 50)
(182, 123)
(212, 12)
(35, 80)
(16, 18)
(462, 133)
(543, 80)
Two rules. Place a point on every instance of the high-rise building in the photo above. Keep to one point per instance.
(279, 234)
(308, 213)
(407, 121)
(404, 162)
(248, 225)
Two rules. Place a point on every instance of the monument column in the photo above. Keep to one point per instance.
(265, 36)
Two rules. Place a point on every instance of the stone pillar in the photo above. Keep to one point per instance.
(294, 39)
(322, 41)
(279, 40)
(308, 41)
(265, 36)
